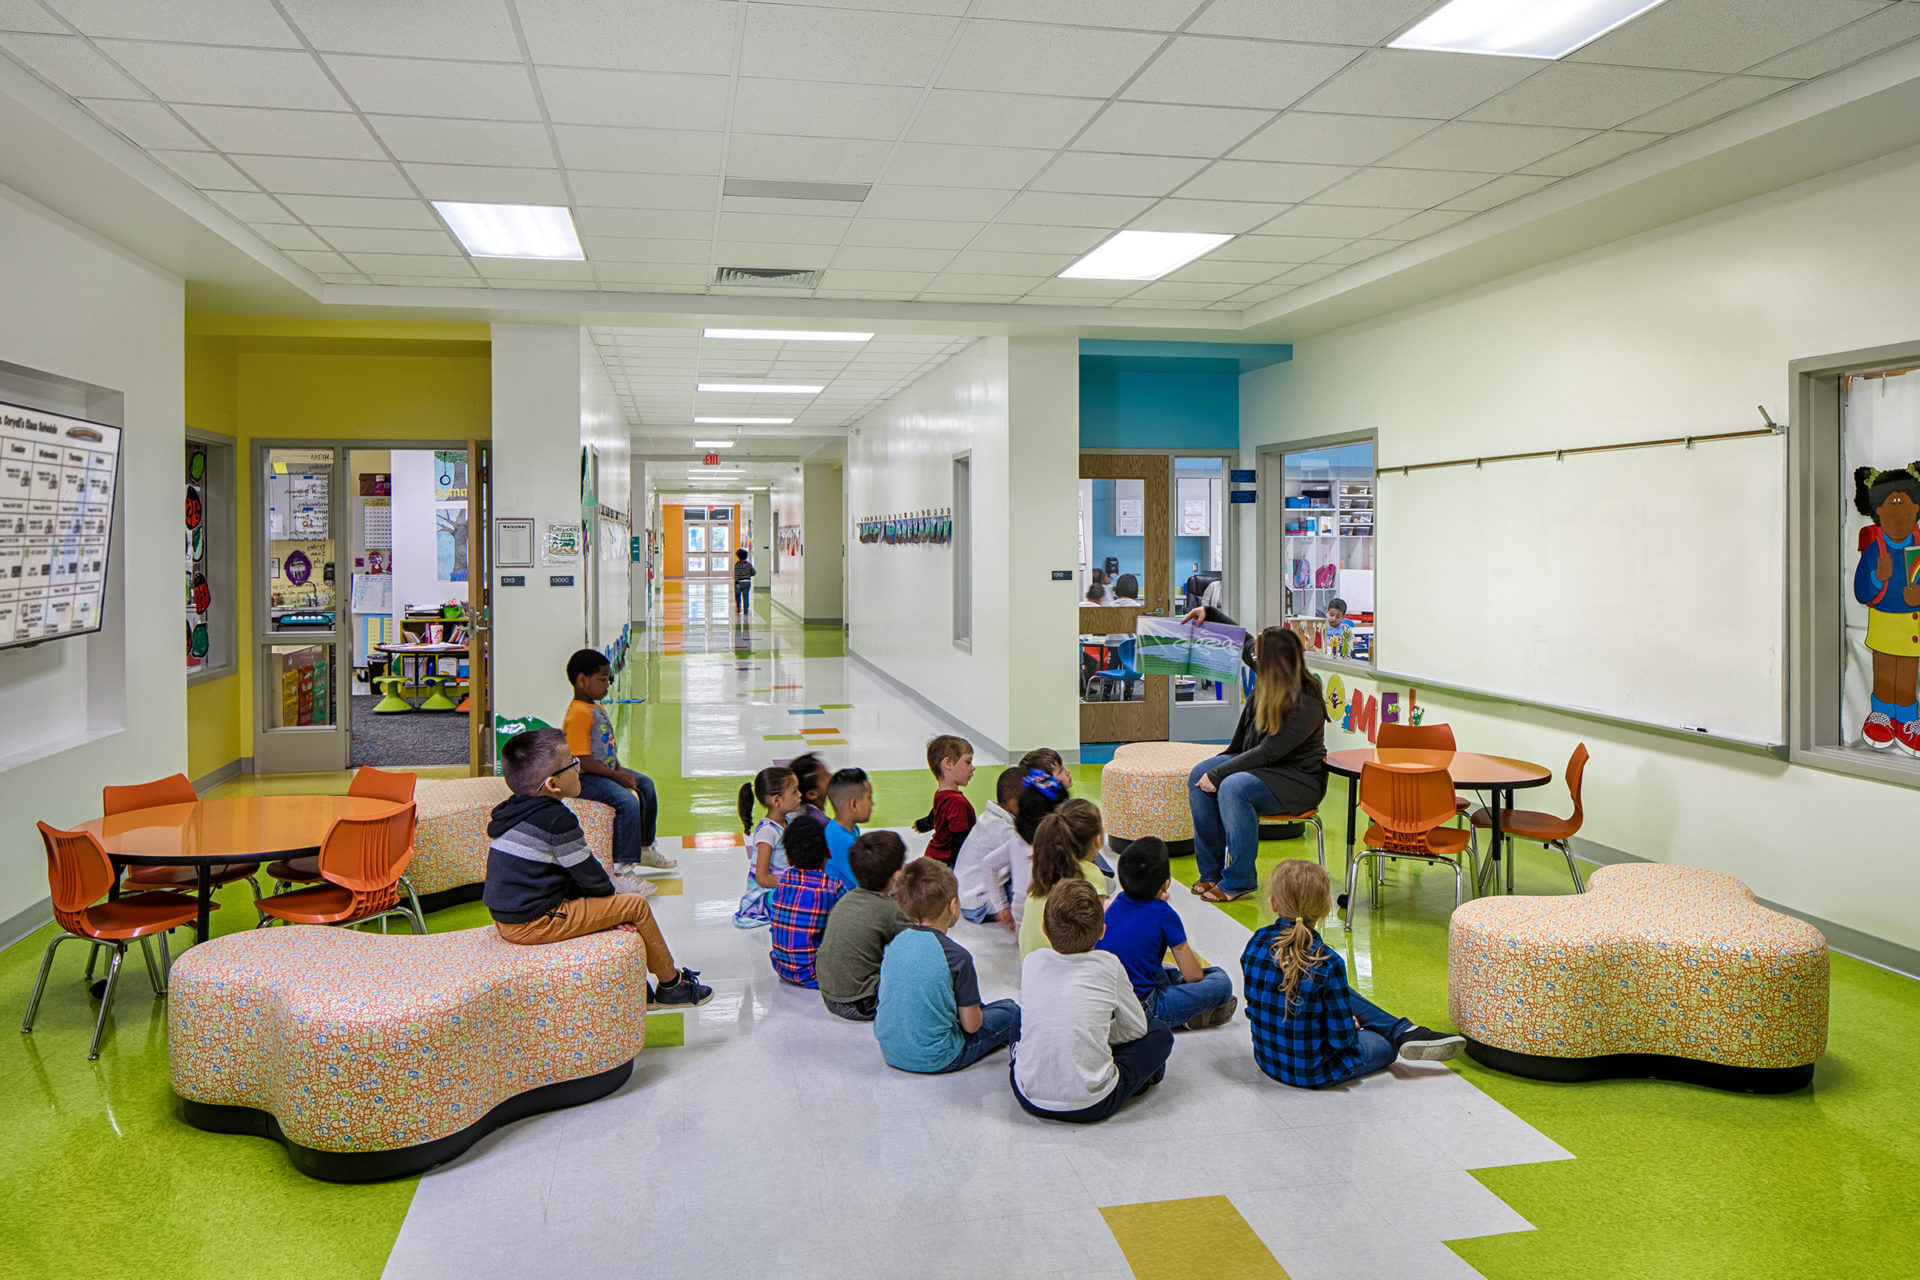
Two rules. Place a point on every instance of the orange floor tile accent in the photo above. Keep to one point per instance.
(714, 840)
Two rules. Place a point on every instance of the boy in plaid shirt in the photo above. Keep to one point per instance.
(1309, 1028)
(797, 909)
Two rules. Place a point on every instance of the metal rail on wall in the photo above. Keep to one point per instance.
(1772, 428)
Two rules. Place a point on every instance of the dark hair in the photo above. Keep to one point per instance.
(944, 747)
(1126, 587)
(766, 784)
(1072, 918)
(1097, 577)
(1040, 795)
(806, 844)
(874, 857)
(586, 662)
(1066, 836)
(1006, 788)
(1045, 759)
(1096, 592)
(813, 774)
(529, 759)
(739, 553)
(924, 889)
(1337, 603)
(1871, 487)
(845, 786)
(1143, 868)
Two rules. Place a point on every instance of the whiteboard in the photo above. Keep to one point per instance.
(1643, 584)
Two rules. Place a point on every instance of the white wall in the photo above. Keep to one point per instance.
(1681, 330)
(824, 533)
(789, 580)
(82, 310)
(603, 428)
(1013, 406)
(762, 554)
(416, 536)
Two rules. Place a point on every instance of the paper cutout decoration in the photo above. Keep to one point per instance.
(930, 527)
(1887, 581)
(297, 568)
(1203, 650)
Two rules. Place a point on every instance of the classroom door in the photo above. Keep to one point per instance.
(709, 542)
(479, 700)
(1126, 533)
(301, 709)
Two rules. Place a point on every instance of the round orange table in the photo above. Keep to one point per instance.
(1500, 776)
(210, 832)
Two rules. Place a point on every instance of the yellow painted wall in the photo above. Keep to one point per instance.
(281, 379)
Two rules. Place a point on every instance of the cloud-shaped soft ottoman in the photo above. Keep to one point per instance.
(1143, 790)
(450, 842)
(376, 1056)
(1654, 971)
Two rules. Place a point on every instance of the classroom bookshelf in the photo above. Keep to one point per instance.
(1327, 531)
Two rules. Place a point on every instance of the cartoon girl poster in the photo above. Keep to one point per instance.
(1887, 581)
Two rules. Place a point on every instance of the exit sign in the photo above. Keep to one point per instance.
(710, 460)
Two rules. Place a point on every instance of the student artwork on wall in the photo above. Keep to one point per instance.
(1880, 660)
(199, 591)
(931, 527)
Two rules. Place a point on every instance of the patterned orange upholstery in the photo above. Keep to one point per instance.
(450, 842)
(1143, 790)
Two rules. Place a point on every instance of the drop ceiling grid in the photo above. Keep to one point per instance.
(1001, 145)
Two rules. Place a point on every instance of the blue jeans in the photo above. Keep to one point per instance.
(1176, 1003)
(1380, 1033)
(984, 912)
(1141, 1063)
(742, 594)
(1226, 828)
(999, 1025)
(634, 816)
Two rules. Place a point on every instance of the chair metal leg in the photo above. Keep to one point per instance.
(419, 916)
(46, 963)
(153, 969)
(106, 999)
(256, 887)
(93, 953)
(1579, 885)
(166, 958)
(1319, 842)
(1459, 886)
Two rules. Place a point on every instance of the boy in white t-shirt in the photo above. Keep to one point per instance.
(1086, 1046)
(984, 866)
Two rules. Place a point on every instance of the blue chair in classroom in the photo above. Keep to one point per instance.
(1122, 673)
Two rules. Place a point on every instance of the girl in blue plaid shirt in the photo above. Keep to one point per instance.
(1310, 1029)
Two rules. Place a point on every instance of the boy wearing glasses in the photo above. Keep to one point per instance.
(545, 885)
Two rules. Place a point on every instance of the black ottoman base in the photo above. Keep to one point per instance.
(1643, 1066)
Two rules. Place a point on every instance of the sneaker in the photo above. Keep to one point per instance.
(1879, 731)
(652, 857)
(626, 881)
(687, 993)
(1424, 1044)
(1219, 1015)
(1906, 736)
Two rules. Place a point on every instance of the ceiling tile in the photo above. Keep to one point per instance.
(306, 175)
(692, 36)
(1057, 288)
(1360, 251)
(319, 260)
(1237, 73)
(1499, 191)
(644, 190)
(246, 22)
(532, 269)
(1363, 22)
(1345, 221)
(1423, 224)
(486, 184)
(1712, 102)
(430, 282)
(910, 234)
(417, 28)
(755, 253)
(647, 249)
(227, 76)
(799, 208)
(1272, 182)
(1485, 148)
(1186, 291)
(1238, 272)
(1584, 96)
(812, 109)
(1152, 128)
(1263, 292)
(1400, 188)
(1407, 82)
(782, 229)
(871, 258)
(954, 204)
(1146, 15)
(251, 206)
(1312, 138)
(409, 264)
(1278, 249)
(419, 87)
(291, 236)
(69, 64)
(259, 131)
(661, 100)
(1025, 238)
(909, 281)
(384, 240)
(784, 159)
(934, 164)
(1721, 35)
(1311, 272)
(1000, 119)
(25, 15)
(1895, 24)
(1049, 208)
(985, 262)
(206, 170)
(1215, 216)
(840, 45)
(1009, 57)
(1598, 149)
(1102, 173)
(668, 224)
(652, 272)
(639, 150)
(360, 211)
(146, 124)
(485, 142)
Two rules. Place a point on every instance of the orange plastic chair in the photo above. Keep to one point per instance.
(151, 795)
(371, 784)
(1409, 807)
(361, 862)
(1312, 818)
(1549, 830)
(79, 873)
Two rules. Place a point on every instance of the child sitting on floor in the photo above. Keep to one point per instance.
(951, 760)
(985, 864)
(779, 793)
(1040, 795)
(813, 774)
(1063, 849)
(859, 928)
(1142, 929)
(544, 884)
(930, 1018)
(1085, 1046)
(1309, 1028)
(851, 795)
(1049, 762)
(797, 910)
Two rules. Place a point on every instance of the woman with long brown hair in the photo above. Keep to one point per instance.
(1276, 763)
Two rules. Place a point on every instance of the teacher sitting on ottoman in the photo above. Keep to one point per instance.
(1276, 763)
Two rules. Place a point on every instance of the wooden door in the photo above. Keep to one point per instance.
(1141, 717)
(479, 609)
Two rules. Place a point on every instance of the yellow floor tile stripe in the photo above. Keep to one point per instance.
(1159, 1241)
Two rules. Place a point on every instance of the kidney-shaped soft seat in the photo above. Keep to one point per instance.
(375, 1056)
(1654, 971)
(450, 840)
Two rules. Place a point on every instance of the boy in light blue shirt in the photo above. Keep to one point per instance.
(930, 1018)
(851, 795)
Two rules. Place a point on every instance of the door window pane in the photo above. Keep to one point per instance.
(696, 564)
(1327, 548)
(1113, 522)
(719, 540)
(1110, 669)
(1879, 554)
(301, 579)
(696, 537)
(301, 691)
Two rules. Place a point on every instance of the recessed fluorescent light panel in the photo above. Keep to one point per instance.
(1521, 28)
(512, 230)
(788, 335)
(1143, 255)
(763, 388)
(744, 422)
(713, 444)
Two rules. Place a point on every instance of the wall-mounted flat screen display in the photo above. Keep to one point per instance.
(57, 477)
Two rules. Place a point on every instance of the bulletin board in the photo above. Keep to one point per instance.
(57, 481)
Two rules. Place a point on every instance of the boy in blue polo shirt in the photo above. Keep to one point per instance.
(851, 795)
(1142, 929)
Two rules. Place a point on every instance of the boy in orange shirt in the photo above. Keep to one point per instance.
(629, 794)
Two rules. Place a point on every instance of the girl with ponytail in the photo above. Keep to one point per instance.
(1310, 1028)
(778, 791)
(1063, 848)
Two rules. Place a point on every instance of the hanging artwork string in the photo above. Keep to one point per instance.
(931, 527)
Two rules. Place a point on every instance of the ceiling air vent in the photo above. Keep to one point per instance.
(767, 277)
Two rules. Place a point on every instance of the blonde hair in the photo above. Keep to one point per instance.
(1280, 674)
(1301, 894)
(1066, 838)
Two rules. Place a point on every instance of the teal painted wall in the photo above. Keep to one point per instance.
(1128, 409)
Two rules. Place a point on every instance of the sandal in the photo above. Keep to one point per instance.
(1215, 893)
(1201, 886)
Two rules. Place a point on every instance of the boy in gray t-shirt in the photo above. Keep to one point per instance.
(859, 927)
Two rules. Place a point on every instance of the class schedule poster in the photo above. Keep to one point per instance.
(57, 476)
